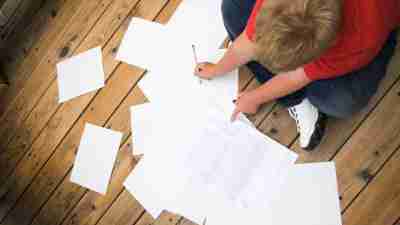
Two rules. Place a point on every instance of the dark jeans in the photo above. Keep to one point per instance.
(339, 97)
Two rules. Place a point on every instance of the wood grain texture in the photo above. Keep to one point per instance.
(55, 168)
(91, 206)
(26, 133)
(59, 163)
(23, 44)
(22, 15)
(8, 9)
(44, 74)
(44, 41)
(40, 137)
(379, 203)
(145, 219)
(369, 147)
(119, 121)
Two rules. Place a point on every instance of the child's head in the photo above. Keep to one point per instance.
(291, 33)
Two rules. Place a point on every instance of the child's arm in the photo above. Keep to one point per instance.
(240, 52)
(279, 86)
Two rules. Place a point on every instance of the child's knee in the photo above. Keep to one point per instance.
(339, 107)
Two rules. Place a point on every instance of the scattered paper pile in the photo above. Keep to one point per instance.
(196, 162)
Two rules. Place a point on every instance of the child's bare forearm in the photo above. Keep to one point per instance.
(281, 85)
(240, 52)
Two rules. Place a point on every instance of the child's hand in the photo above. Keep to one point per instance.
(205, 70)
(246, 103)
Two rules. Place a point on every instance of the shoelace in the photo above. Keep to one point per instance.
(293, 114)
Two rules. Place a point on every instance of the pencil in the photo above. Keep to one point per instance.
(196, 59)
(195, 55)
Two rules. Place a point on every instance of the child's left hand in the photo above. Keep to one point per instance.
(246, 103)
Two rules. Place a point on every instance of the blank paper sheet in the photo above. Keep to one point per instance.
(95, 158)
(200, 22)
(309, 195)
(149, 45)
(80, 74)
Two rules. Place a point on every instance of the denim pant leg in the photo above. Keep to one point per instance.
(236, 14)
(343, 96)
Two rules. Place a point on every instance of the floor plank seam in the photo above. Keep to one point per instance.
(47, 199)
(379, 170)
(139, 217)
(367, 116)
(83, 112)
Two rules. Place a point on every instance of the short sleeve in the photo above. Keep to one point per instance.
(251, 23)
(338, 64)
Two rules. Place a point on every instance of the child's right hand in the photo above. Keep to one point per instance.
(205, 70)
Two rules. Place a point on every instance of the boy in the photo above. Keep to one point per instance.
(316, 57)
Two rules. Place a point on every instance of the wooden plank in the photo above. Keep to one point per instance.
(119, 121)
(245, 77)
(48, 179)
(146, 219)
(58, 206)
(23, 16)
(111, 124)
(23, 13)
(125, 211)
(92, 206)
(43, 142)
(37, 27)
(89, 13)
(29, 130)
(8, 9)
(264, 109)
(279, 126)
(379, 203)
(167, 218)
(363, 155)
(54, 30)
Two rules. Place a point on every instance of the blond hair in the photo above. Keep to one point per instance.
(291, 33)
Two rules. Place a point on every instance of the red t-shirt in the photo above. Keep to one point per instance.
(366, 26)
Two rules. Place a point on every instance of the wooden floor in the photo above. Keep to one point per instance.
(39, 137)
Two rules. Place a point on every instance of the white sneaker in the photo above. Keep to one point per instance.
(310, 124)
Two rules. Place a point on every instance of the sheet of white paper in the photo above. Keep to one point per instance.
(80, 74)
(154, 125)
(142, 185)
(310, 194)
(229, 157)
(150, 183)
(142, 127)
(218, 92)
(149, 45)
(200, 22)
(161, 85)
(214, 156)
(95, 159)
